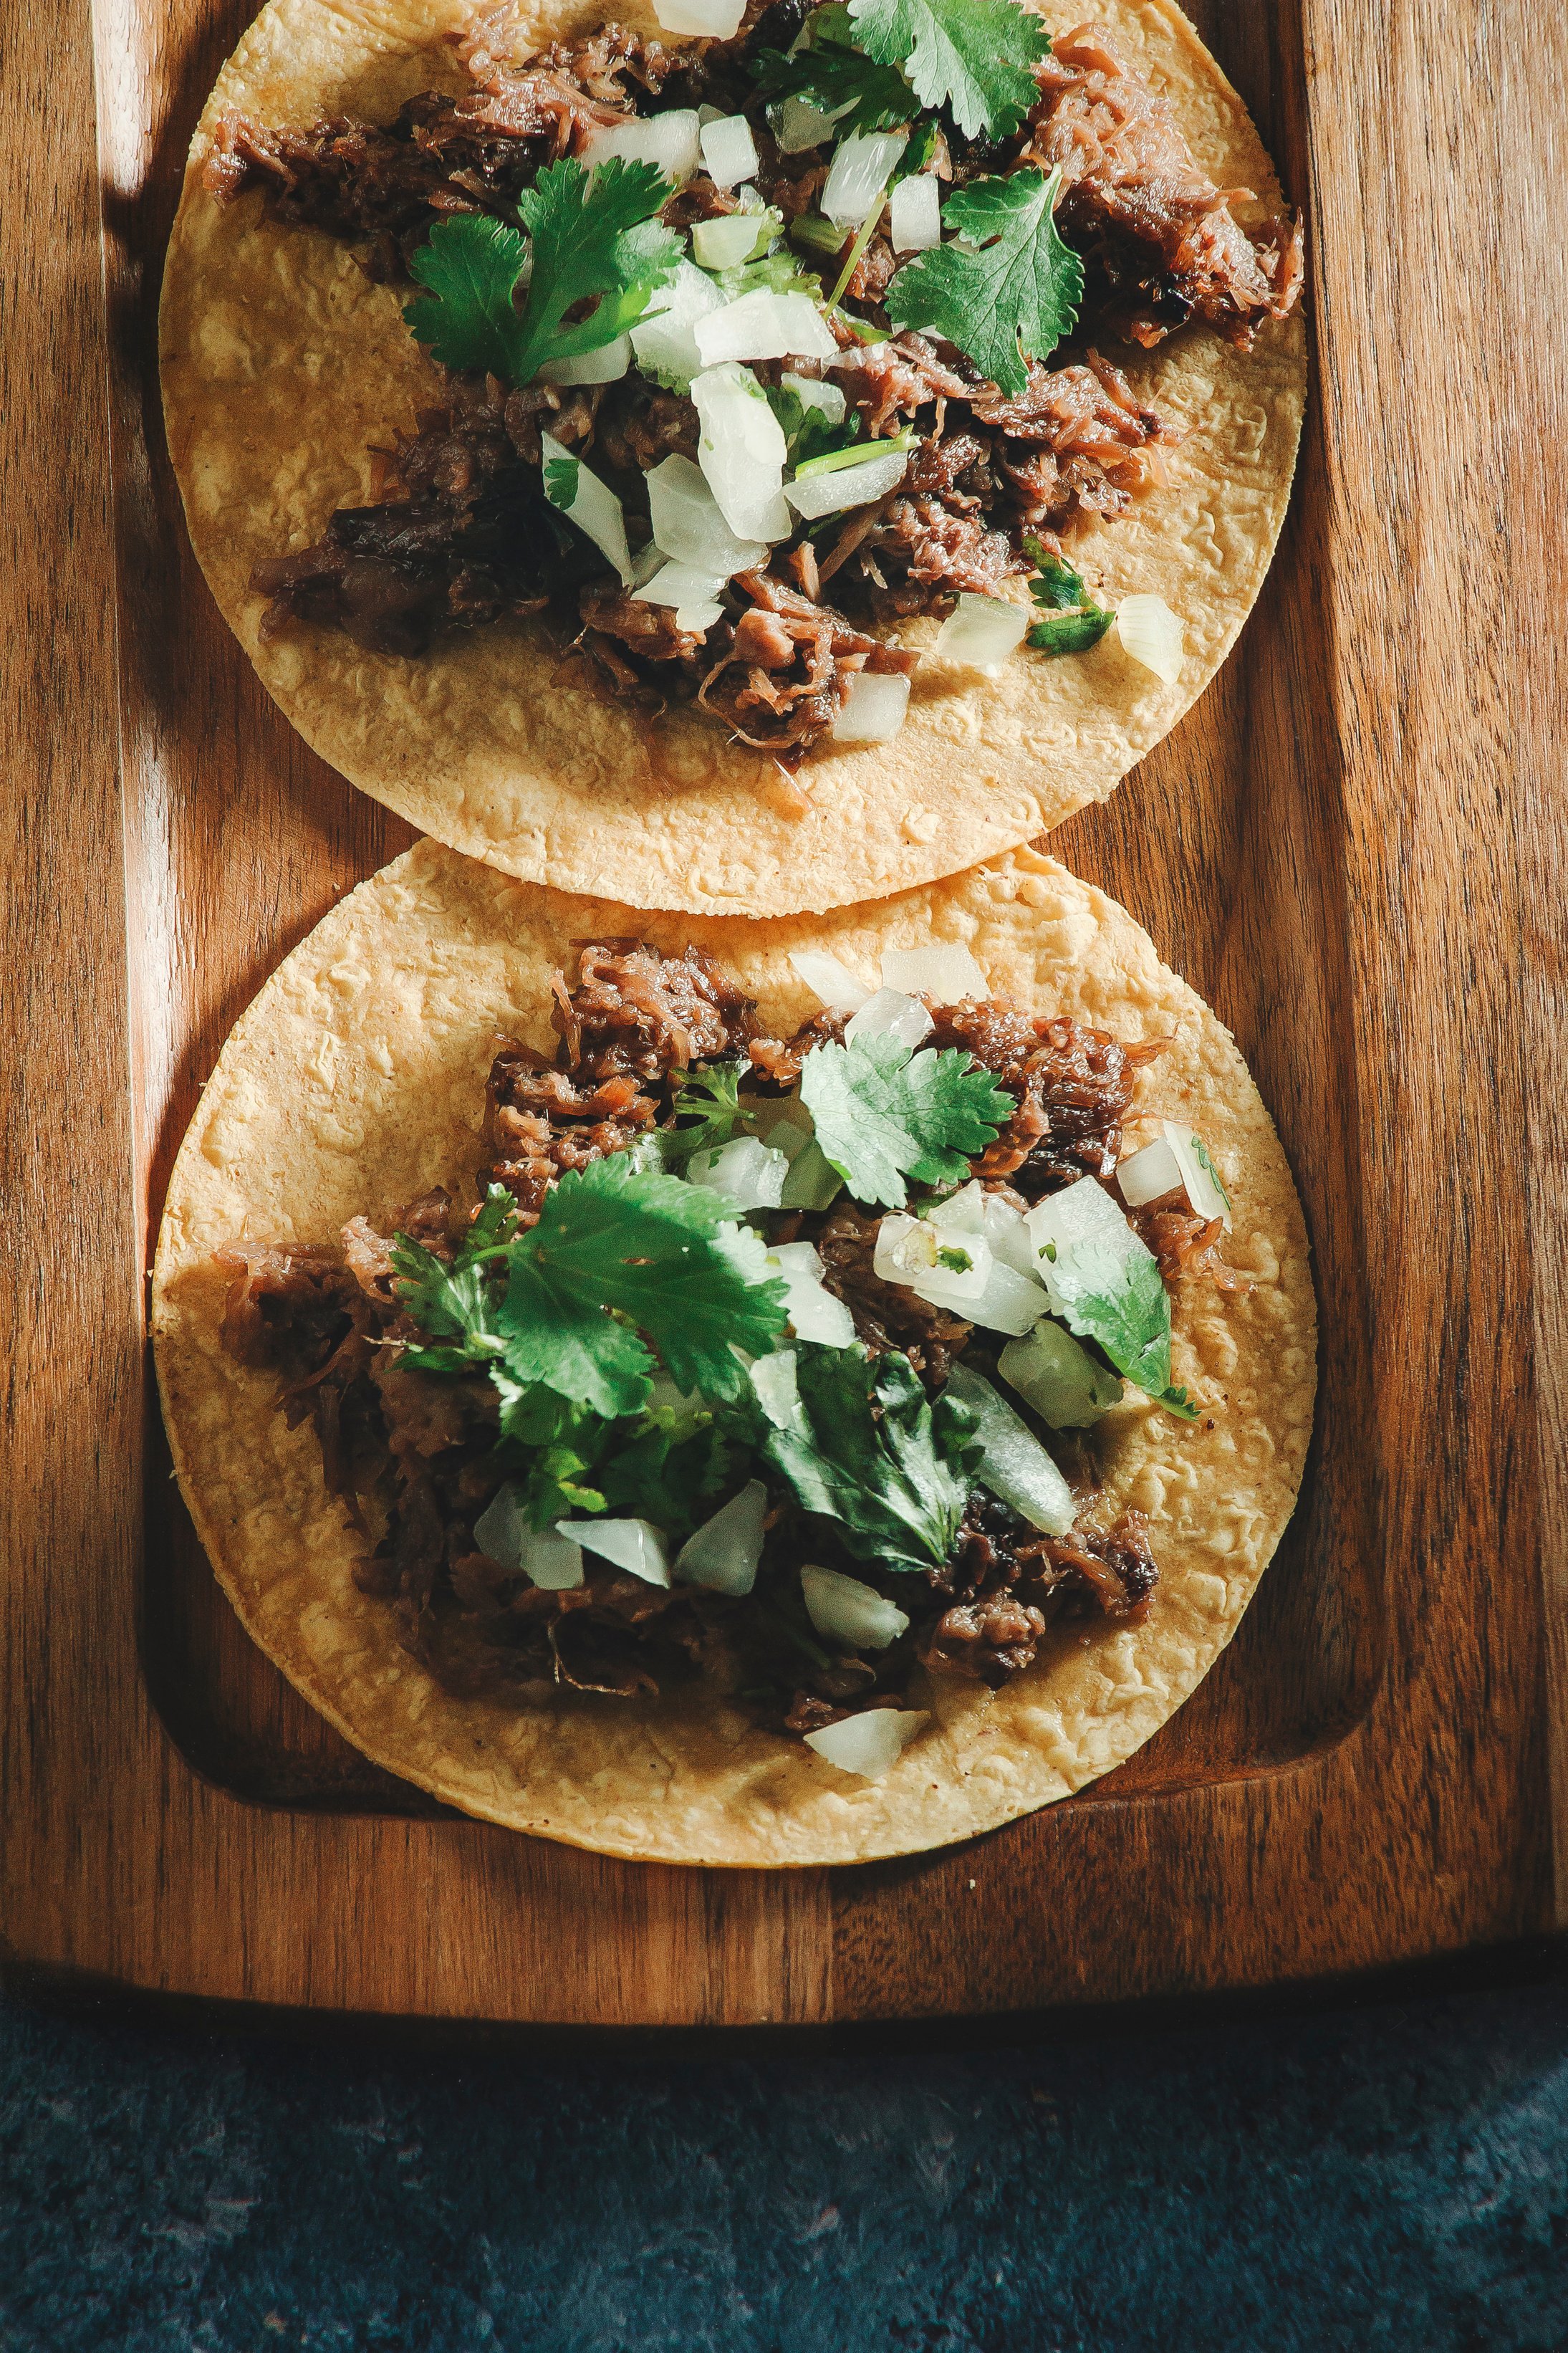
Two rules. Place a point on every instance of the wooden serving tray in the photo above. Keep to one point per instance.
(1346, 847)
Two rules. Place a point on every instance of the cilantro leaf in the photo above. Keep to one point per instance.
(618, 1251)
(836, 78)
(882, 1113)
(976, 57)
(1073, 620)
(708, 1101)
(1010, 301)
(868, 1449)
(593, 233)
(562, 477)
(454, 1300)
(806, 431)
(1105, 1283)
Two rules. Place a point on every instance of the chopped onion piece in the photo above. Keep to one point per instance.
(947, 1269)
(1178, 1157)
(724, 1553)
(1084, 1215)
(636, 1546)
(915, 214)
(947, 973)
(668, 140)
(505, 1535)
(891, 1010)
(963, 1212)
(814, 1312)
(1009, 1235)
(728, 150)
(871, 1743)
(677, 584)
(776, 1382)
(860, 172)
(1010, 1302)
(697, 619)
(848, 1612)
(594, 508)
(1060, 1379)
(848, 486)
(745, 1172)
(981, 633)
(742, 452)
(689, 526)
(802, 125)
(763, 325)
(829, 980)
(1013, 1463)
(664, 342)
(730, 240)
(873, 709)
(1012, 1299)
(1151, 634)
(713, 20)
(607, 365)
(813, 392)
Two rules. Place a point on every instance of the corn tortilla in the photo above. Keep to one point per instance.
(356, 1081)
(282, 364)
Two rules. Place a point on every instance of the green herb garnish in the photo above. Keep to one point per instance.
(1073, 620)
(883, 1113)
(707, 1111)
(868, 1449)
(594, 234)
(975, 57)
(1011, 301)
(837, 78)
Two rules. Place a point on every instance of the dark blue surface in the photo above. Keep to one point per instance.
(1393, 2176)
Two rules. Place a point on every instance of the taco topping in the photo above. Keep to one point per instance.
(755, 345)
(772, 1364)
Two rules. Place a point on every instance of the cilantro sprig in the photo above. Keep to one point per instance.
(1010, 292)
(976, 57)
(618, 1252)
(868, 1449)
(707, 1111)
(1071, 621)
(883, 1113)
(594, 234)
(839, 79)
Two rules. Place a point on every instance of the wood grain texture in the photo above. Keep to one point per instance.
(1349, 848)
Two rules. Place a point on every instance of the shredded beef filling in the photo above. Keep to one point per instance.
(460, 535)
(416, 1458)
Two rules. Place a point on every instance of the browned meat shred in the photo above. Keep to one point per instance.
(416, 1459)
(1184, 1243)
(1157, 233)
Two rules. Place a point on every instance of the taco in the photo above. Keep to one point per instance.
(748, 473)
(735, 1393)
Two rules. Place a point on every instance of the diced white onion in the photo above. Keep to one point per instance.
(742, 452)
(666, 341)
(668, 139)
(607, 365)
(801, 125)
(595, 509)
(636, 1546)
(1151, 634)
(730, 240)
(713, 20)
(728, 150)
(847, 486)
(871, 1743)
(874, 709)
(744, 1171)
(503, 1534)
(1010, 1302)
(776, 1381)
(963, 1212)
(687, 524)
(1014, 1464)
(915, 214)
(1083, 1220)
(677, 584)
(814, 1312)
(1177, 1158)
(858, 174)
(909, 1251)
(946, 972)
(829, 980)
(981, 633)
(891, 1012)
(846, 1612)
(724, 1553)
(763, 325)
(812, 393)
(697, 619)
(1061, 1380)
(1009, 1235)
